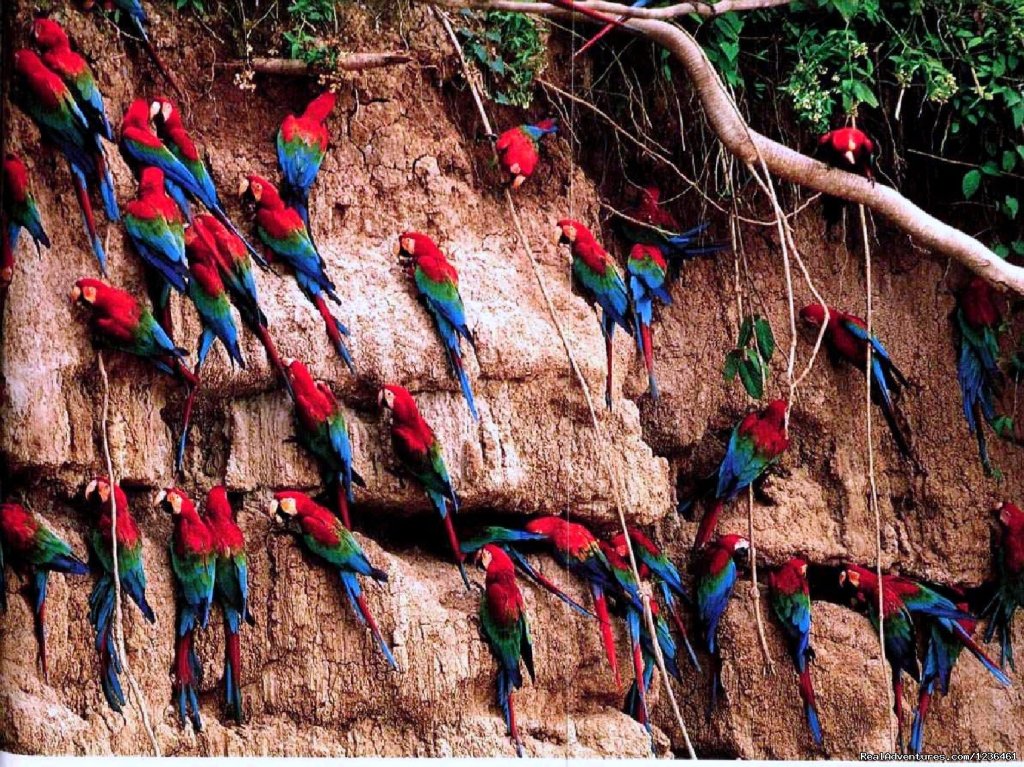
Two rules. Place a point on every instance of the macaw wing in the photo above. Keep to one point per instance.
(444, 300)
(740, 466)
(713, 592)
(158, 244)
(663, 569)
(300, 158)
(196, 575)
(607, 288)
(495, 534)
(300, 253)
(861, 333)
(140, 147)
(927, 602)
(505, 640)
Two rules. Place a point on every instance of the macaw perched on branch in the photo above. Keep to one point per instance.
(101, 498)
(323, 431)
(790, 598)
(229, 253)
(648, 223)
(282, 231)
(45, 98)
(849, 149)
(171, 131)
(942, 650)
(326, 538)
(901, 599)
(655, 564)
(194, 562)
(716, 574)
(978, 324)
(156, 229)
(598, 278)
(20, 212)
(1009, 565)
(608, 28)
(846, 337)
(437, 284)
(419, 452)
(506, 627)
(32, 548)
(301, 147)
(579, 551)
(518, 149)
(74, 71)
(506, 538)
(755, 444)
(231, 590)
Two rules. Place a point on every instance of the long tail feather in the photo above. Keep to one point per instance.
(607, 637)
(372, 624)
(255, 254)
(916, 742)
(544, 582)
(569, 5)
(139, 30)
(88, 218)
(648, 349)
(186, 421)
(810, 707)
(342, 498)
(609, 354)
(467, 391)
(263, 333)
(707, 526)
(233, 673)
(980, 654)
(187, 675)
(681, 628)
(334, 331)
(453, 541)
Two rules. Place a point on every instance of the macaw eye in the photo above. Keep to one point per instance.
(89, 294)
(409, 245)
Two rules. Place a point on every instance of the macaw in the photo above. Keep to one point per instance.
(716, 573)
(282, 232)
(507, 538)
(133, 18)
(506, 627)
(648, 272)
(942, 651)
(156, 227)
(210, 297)
(849, 149)
(1009, 566)
(595, 273)
(103, 500)
(74, 71)
(901, 599)
(634, 705)
(518, 149)
(20, 212)
(420, 453)
(30, 546)
(755, 444)
(978, 323)
(790, 598)
(579, 551)
(648, 223)
(194, 562)
(301, 147)
(44, 97)
(325, 537)
(231, 590)
(664, 573)
(235, 267)
(632, 610)
(847, 339)
(323, 431)
(171, 131)
(437, 284)
(608, 28)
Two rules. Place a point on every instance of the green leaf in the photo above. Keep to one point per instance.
(970, 184)
(765, 338)
(1003, 426)
(1009, 160)
(746, 331)
(750, 375)
(1012, 205)
(732, 365)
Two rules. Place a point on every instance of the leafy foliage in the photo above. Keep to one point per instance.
(508, 49)
(750, 358)
(305, 41)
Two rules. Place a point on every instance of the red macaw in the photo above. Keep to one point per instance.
(30, 546)
(507, 630)
(519, 149)
(1009, 592)
(437, 284)
(849, 149)
(419, 451)
(595, 273)
(19, 212)
(301, 147)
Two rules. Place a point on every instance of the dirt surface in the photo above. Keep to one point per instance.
(405, 157)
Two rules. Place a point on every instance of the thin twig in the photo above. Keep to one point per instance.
(138, 699)
(755, 592)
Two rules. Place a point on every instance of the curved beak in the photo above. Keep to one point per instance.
(90, 488)
(161, 497)
(154, 109)
(76, 293)
(850, 158)
(243, 187)
(166, 109)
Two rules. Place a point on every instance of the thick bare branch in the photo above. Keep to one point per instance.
(352, 62)
(667, 12)
(751, 147)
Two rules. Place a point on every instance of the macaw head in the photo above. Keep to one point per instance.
(288, 504)
(814, 315)
(257, 189)
(858, 578)
(298, 374)
(775, 413)
(88, 291)
(494, 559)
(15, 177)
(137, 115)
(218, 506)
(399, 401)
(545, 525)
(571, 230)
(175, 502)
(151, 180)
(650, 196)
(48, 34)
(737, 546)
(414, 245)
(799, 565)
(1010, 517)
(98, 489)
(321, 107)
(164, 112)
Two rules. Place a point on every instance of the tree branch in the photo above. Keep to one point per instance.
(751, 147)
(667, 12)
(352, 62)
